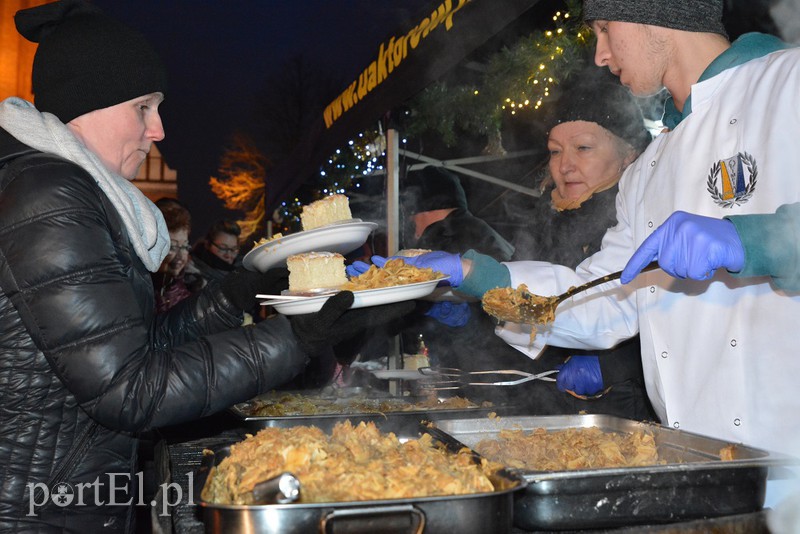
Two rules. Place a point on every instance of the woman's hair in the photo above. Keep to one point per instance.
(175, 214)
(223, 226)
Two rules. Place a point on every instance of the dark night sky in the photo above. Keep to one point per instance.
(220, 54)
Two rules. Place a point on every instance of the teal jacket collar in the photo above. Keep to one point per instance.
(747, 47)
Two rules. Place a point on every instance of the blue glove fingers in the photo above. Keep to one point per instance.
(379, 260)
(443, 262)
(689, 246)
(581, 375)
(647, 252)
(357, 268)
(455, 314)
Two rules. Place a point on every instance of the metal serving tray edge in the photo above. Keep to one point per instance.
(695, 483)
(468, 514)
(398, 418)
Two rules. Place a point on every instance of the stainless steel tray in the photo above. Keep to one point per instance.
(397, 420)
(477, 513)
(695, 483)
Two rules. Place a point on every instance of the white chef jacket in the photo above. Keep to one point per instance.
(720, 356)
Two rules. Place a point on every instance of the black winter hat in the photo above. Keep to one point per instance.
(592, 97)
(86, 60)
(433, 188)
(687, 15)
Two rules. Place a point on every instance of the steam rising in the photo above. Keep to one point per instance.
(786, 14)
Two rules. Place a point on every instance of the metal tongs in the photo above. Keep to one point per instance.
(442, 378)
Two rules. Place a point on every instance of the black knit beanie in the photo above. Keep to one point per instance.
(432, 188)
(688, 15)
(592, 97)
(86, 60)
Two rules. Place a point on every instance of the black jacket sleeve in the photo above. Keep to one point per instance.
(86, 300)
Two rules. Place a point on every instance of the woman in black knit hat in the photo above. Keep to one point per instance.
(595, 130)
(86, 365)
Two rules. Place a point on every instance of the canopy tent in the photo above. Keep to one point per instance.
(404, 64)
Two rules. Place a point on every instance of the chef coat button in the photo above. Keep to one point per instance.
(653, 163)
(733, 342)
(652, 289)
(649, 224)
(733, 121)
(737, 422)
(664, 354)
(676, 425)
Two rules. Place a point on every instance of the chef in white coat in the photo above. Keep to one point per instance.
(719, 324)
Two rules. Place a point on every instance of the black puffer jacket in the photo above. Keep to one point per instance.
(85, 364)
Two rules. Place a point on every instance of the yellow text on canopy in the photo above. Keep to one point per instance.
(390, 55)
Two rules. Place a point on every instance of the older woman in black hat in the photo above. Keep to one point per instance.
(595, 130)
(85, 363)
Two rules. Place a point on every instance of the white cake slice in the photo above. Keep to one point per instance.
(329, 210)
(315, 270)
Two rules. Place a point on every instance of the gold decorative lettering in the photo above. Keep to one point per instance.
(372, 78)
(448, 22)
(399, 52)
(362, 85)
(383, 59)
(349, 98)
(425, 25)
(437, 17)
(390, 55)
(414, 36)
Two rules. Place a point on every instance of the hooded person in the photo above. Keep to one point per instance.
(437, 205)
(87, 365)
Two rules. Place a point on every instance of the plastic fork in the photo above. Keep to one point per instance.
(442, 378)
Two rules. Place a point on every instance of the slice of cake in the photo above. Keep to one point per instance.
(315, 270)
(329, 210)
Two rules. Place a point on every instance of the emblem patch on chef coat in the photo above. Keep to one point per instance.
(732, 181)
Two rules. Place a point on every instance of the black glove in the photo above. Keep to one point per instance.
(242, 286)
(335, 322)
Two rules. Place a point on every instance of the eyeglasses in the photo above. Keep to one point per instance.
(226, 250)
(177, 248)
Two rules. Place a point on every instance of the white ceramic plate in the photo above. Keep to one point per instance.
(341, 237)
(361, 299)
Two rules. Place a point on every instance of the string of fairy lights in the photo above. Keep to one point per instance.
(555, 50)
(518, 79)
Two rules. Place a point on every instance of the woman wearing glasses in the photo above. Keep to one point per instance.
(171, 282)
(215, 256)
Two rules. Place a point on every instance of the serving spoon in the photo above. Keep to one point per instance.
(535, 309)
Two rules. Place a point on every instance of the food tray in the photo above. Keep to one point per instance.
(694, 483)
(392, 420)
(477, 513)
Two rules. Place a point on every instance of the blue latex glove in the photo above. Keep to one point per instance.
(450, 313)
(580, 374)
(444, 262)
(357, 268)
(689, 246)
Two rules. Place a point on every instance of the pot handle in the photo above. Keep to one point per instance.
(399, 519)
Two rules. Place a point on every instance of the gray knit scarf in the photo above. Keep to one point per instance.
(46, 133)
